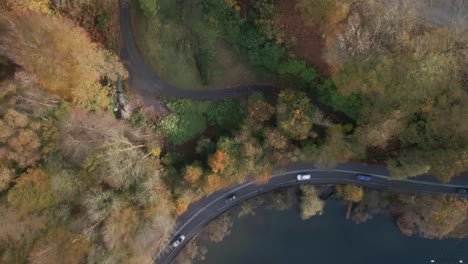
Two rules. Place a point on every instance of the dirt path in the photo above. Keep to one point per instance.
(149, 86)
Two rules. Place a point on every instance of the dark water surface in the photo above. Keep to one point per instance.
(275, 237)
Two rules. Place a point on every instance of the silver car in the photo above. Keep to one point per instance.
(178, 241)
(303, 177)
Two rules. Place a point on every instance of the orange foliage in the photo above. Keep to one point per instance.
(213, 183)
(217, 161)
(181, 206)
(60, 54)
(263, 177)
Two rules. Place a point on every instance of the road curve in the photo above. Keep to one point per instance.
(148, 84)
(212, 206)
(145, 83)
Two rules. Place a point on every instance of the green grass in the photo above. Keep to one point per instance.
(188, 53)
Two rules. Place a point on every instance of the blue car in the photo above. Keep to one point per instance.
(363, 177)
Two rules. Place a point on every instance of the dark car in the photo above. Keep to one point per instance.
(363, 177)
(231, 198)
(462, 191)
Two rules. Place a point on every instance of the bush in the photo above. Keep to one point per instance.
(298, 68)
(149, 8)
(327, 93)
(190, 118)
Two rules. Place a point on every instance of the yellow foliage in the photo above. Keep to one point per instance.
(31, 191)
(192, 173)
(213, 183)
(260, 111)
(156, 152)
(350, 192)
(16, 119)
(49, 136)
(21, 6)
(181, 206)
(59, 54)
(91, 96)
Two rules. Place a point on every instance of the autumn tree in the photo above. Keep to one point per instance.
(434, 217)
(213, 183)
(92, 96)
(336, 148)
(263, 177)
(410, 77)
(22, 6)
(219, 228)
(351, 193)
(311, 204)
(120, 227)
(59, 245)
(276, 139)
(31, 192)
(258, 109)
(56, 51)
(6, 177)
(192, 173)
(217, 161)
(17, 227)
(20, 138)
(184, 198)
(294, 114)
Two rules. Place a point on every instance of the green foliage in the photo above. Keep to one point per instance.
(138, 118)
(309, 150)
(149, 8)
(103, 21)
(335, 149)
(205, 147)
(298, 68)
(226, 114)
(268, 57)
(190, 118)
(327, 93)
(245, 35)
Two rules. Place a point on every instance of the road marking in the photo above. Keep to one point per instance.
(315, 170)
(208, 205)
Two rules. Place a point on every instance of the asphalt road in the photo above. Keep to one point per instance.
(145, 83)
(207, 209)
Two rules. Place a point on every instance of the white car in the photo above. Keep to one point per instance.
(303, 177)
(178, 241)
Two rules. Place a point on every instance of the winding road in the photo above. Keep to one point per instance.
(145, 83)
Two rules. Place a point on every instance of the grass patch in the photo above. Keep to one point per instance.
(185, 51)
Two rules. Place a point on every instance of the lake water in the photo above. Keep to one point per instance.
(277, 237)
